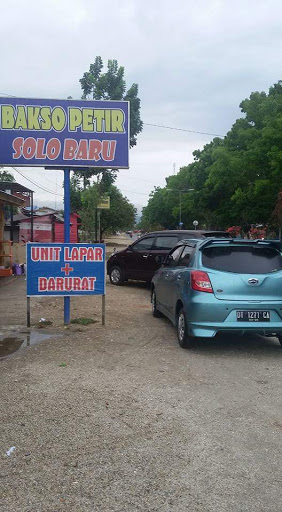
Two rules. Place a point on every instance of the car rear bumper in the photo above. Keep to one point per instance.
(210, 330)
(207, 317)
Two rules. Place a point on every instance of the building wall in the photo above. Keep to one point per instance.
(46, 230)
(2, 221)
(43, 229)
(19, 253)
(59, 230)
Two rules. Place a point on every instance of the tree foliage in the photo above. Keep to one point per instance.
(97, 84)
(120, 216)
(6, 176)
(237, 180)
(111, 85)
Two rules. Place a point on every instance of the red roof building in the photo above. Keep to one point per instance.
(47, 228)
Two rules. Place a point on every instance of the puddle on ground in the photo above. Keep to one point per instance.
(11, 341)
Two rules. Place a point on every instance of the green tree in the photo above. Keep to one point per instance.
(103, 182)
(6, 176)
(110, 85)
(75, 193)
(158, 212)
(238, 178)
(89, 203)
(120, 216)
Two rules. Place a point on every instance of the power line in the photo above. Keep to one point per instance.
(156, 125)
(183, 129)
(36, 184)
(9, 95)
(133, 192)
(51, 192)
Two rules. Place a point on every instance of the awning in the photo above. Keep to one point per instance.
(11, 200)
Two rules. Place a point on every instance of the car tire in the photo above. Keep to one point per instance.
(184, 340)
(116, 276)
(280, 340)
(155, 312)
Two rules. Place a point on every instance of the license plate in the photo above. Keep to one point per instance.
(253, 316)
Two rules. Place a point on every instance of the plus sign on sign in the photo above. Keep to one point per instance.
(65, 269)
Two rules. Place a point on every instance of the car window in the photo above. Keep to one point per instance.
(190, 235)
(165, 242)
(185, 256)
(174, 257)
(216, 234)
(243, 260)
(143, 245)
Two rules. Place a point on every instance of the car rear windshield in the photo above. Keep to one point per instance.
(243, 260)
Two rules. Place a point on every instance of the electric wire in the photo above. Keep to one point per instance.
(9, 95)
(156, 125)
(128, 191)
(36, 184)
(183, 129)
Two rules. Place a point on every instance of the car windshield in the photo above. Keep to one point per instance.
(243, 260)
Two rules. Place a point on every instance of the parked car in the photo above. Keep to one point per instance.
(214, 285)
(139, 260)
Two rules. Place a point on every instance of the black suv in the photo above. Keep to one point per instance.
(139, 260)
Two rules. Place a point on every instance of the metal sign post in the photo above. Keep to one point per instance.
(66, 234)
(28, 311)
(104, 204)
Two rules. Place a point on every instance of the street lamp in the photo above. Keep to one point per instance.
(180, 200)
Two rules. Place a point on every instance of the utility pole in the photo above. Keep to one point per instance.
(180, 201)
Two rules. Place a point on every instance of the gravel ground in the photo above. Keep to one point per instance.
(131, 422)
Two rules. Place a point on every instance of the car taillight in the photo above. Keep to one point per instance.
(200, 281)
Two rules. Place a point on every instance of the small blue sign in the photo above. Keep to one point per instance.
(65, 269)
(64, 133)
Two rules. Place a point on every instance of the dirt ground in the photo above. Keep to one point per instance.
(119, 418)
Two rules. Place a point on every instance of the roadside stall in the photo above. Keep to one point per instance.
(6, 256)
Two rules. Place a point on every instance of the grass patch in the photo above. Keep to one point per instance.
(83, 321)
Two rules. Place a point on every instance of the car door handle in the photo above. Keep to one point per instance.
(178, 278)
(145, 255)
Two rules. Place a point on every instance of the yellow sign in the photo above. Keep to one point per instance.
(104, 203)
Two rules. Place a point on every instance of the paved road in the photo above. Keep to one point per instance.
(131, 422)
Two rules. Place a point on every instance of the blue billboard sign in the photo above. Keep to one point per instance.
(64, 133)
(65, 269)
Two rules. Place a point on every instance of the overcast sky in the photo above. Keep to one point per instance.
(194, 62)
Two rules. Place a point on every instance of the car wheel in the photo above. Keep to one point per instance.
(155, 312)
(184, 340)
(116, 276)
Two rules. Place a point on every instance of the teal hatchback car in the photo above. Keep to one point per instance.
(220, 285)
